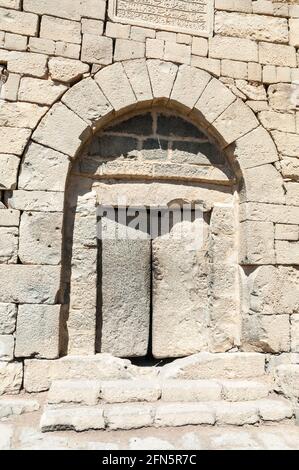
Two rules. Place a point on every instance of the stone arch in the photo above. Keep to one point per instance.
(124, 87)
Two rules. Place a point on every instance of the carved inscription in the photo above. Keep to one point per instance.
(187, 16)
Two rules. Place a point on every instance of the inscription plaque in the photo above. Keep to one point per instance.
(183, 16)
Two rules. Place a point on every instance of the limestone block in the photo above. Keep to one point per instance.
(189, 85)
(60, 30)
(261, 28)
(137, 73)
(174, 171)
(210, 65)
(9, 90)
(233, 48)
(190, 390)
(15, 42)
(234, 69)
(179, 263)
(9, 217)
(200, 46)
(294, 333)
(214, 366)
(38, 331)
(287, 380)
(85, 392)
(14, 140)
(62, 130)
(127, 49)
(125, 311)
(215, 99)
(179, 53)
(294, 31)
(154, 48)
(41, 45)
(184, 414)
(16, 407)
(29, 284)
(8, 245)
(277, 54)
(263, 184)
(128, 391)
(287, 252)
(11, 377)
(70, 9)
(40, 374)
(132, 416)
(15, 4)
(41, 238)
(287, 232)
(236, 414)
(94, 27)
(8, 315)
(21, 114)
(287, 143)
(18, 22)
(66, 70)
(236, 121)
(280, 96)
(68, 50)
(43, 92)
(43, 168)
(28, 63)
(269, 213)
(274, 290)
(162, 76)
(292, 195)
(116, 86)
(9, 165)
(282, 122)
(36, 201)
(6, 430)
(97, 49)
(254, 149)
(72, 419)
(7, 344)
(87, 100)
(244, 390)
(266, 333)
(275, 410)
(290, 168)
(257, 243)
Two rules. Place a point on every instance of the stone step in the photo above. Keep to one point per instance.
(139, 415)
(17, 406)
(38, 375)
(92, 392)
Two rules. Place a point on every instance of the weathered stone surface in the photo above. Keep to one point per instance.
(266, 333)
(11, 377)
(9, 218)
(97, 49)
(40, 238)
(190, 390)
(125, 306)
(72, 419)
(87, 100)
(287, 252)
(43, 168)
(36, 201)
(277, 54)
(292, 195)
(60, 30)
(280, 97)
(116, 86)
(274, 290)
(128, 391)
(29, 284)
(269, 213)
(21, 114)
(275, 410)
(62, 130)
(13, 139)
(38, 91)
(8, 245)
(215, 99)
(7, 344)
(261, 28)
(71, 9)
(9, 165)
(244, 390)
(263, 184)
(179, 309)
(128, 49)
(189, 85)
(233, 48)
(40, 374)
(162, 76)
(254, 149)
(131, 416)
(66, 70)
(84, 392)
(138, 76)
(18, 22)
(28, 63)
(8, 315)
(16, 407)
(286, 232)
(286, 380)
(214, 366)
(287, 143)
(6, 436)
(184, 414)
(257, 243)
(37, 332)
(290, 168)
(236, 413)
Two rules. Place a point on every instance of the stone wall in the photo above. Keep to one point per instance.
(67, 69)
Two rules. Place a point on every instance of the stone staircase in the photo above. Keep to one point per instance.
(204, 389)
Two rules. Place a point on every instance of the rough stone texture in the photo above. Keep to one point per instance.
(125, 306)
(116, 86)
(14, 139)
(38, 91)
(266, 333)
(9, 165)
(21, 114)
(286, 380)
(190, 390)
(8, 315)
(6, 348)
(11, 377)
(184, 414)
(244, 390)
(97, 50)
(78, 419)
(126, 391)
(132, 416)
(16, 407)
(66, 70)
(85, 392)
(236, 413)
(37, 331)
